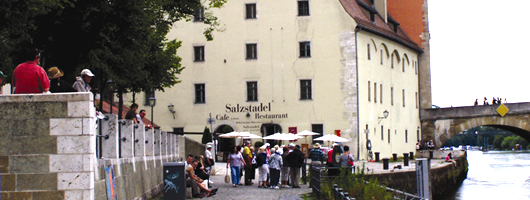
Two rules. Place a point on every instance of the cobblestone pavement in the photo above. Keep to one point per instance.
(226, 191)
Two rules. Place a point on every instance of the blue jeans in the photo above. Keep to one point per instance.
(235, 174)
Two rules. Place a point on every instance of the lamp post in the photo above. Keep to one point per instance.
(152, 103)
(111, 86)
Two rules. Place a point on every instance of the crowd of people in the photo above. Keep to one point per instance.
(495, 101)
(425, 145)
(279, 163)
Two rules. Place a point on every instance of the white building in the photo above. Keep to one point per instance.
(286, 66)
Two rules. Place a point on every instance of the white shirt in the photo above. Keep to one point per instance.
(209, 154)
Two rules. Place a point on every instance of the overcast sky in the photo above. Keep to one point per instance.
(479, 48)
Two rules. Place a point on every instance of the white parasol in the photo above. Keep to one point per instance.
(252, 136)
(306, 133)
(282, 136)
(235, 134)
(331, 138)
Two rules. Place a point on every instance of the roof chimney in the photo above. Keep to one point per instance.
(380, 6)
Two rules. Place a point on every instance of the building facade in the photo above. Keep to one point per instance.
(333, 67)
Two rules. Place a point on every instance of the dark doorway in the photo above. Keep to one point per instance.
(269, 129)
(225, 145)
(317, 128)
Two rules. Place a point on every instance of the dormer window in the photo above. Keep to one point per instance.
(368, 10)
(393, 24)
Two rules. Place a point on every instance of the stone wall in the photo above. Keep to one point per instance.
(47, 146)
(445, 179)
(49, 149)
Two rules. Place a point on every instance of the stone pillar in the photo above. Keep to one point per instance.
(149, 142)
(126, 138)
(109, 147)
(139, 142)
(47, 146)
(163, 143)
(157, 142)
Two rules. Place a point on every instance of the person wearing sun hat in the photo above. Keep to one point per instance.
(56, 84)
(82, 82)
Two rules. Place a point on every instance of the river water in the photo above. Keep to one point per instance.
(496, 175)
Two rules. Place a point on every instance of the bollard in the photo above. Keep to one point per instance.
(385, 163)
(411, 154)
(376, 156)
(394, 157)
(405, 159)
(431, 154)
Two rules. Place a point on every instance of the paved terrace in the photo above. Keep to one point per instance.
(226, 191)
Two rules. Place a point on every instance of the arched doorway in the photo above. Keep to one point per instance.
(269, 129)
(225, 145)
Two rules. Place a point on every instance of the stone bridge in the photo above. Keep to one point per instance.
(441, 124)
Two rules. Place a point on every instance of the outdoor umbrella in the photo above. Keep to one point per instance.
(235, 134)
(252, 136)
(306, 133)
(282, 136)
(331, 138)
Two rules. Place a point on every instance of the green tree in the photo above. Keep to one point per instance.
(122, 40)
(206, 136)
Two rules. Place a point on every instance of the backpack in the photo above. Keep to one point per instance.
(260, 160)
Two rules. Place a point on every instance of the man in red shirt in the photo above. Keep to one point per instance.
(28, 77)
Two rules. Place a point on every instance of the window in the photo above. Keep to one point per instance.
(305, 90)
(200, 93)
(199, 53)
(251, 11)
(416, 67)
(252, 91)
(317, 128)
(305, 49)
(303, 8)
(406, 136)
(403, 65)
(418, 134)
(381, 56)
(368, 48)
(148, 94)
(382, 133)
(369, 91)
(178, 131)
(375, 92)
(252, 51)
(403, 94)
(198, 15)
(392, 62)
(391, 95)
(388, 136)
(381, 93)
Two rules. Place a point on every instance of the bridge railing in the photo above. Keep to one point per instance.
(473, 111)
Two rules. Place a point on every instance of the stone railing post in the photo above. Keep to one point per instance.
(149, 142)
(109, 147)
(157, 142)
(126, 138)
(163, 143)
(139, 140)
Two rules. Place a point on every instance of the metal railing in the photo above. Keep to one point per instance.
(317, 178)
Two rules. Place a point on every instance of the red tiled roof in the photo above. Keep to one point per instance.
(379, 26)
(106, 110)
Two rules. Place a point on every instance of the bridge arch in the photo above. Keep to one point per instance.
(440, 125)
